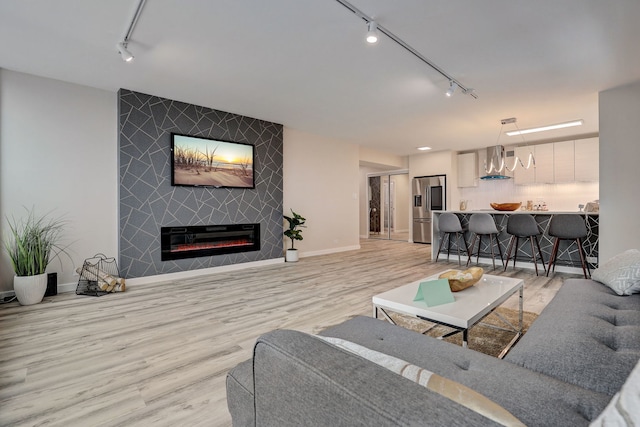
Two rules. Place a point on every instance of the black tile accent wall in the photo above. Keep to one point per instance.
(147, 201)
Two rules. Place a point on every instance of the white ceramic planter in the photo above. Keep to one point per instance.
(30, 289)
(291, 255)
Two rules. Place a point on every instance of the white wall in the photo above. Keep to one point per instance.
(58, 152)
(321, 184)
(438, 163)
(382, 160)
(619, 169)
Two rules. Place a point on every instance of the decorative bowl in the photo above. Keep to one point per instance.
(461, 280)
(505, 206)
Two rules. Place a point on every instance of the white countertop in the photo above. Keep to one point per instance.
(493, 211)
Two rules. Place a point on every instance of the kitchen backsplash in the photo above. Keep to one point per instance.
(558, 197)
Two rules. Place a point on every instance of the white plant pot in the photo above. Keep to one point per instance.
(291, 255)
(30, 289)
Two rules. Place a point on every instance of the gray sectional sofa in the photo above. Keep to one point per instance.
(564, 371)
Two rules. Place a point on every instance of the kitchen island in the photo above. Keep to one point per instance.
(568, 259)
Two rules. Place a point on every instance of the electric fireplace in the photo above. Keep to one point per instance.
(208, 240)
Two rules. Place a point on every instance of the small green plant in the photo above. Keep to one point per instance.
(33, 243)
(295, 222)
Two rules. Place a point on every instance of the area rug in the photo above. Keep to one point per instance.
(482, 338)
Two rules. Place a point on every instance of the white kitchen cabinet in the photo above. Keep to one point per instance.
(521, 175)
(544, 163)
(563, 162)
(587, 155)
(468, 170)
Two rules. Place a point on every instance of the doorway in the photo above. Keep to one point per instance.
(389, 202)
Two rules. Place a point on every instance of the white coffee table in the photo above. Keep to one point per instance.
(470, 307)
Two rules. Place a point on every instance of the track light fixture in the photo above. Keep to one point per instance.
(124, 53)
(452, 88)
(372, 32)
(379, 28)
(122, 46)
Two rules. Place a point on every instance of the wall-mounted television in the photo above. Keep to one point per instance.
(204, 162)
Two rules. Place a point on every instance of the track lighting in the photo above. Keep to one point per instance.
(126, 55)
(372, 37)
(452, 88)
(372, 32)
(122, 46)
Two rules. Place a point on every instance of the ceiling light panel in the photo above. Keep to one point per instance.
(545, 128)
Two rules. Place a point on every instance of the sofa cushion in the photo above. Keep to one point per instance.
(452, 390)
(534, 398)
(301, 380)
(621, 273)
(624, 408)
(587, 335)
(240, 394)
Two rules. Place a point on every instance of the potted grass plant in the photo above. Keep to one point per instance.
(294, 233)
(32, 243)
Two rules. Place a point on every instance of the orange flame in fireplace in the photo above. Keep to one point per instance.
(210, 245)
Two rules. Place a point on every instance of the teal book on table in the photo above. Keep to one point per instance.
(434, 292)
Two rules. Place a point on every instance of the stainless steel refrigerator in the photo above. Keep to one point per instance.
(429, 194)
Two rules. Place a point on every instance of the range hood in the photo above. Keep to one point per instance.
(496, 159)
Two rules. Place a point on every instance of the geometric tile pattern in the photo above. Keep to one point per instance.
(147, 201)
(567, 252)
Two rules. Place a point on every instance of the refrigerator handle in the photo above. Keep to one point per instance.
(427, 206)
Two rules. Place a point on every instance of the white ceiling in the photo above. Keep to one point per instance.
(305, 64)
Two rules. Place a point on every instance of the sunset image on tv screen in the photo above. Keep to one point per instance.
(212, 163)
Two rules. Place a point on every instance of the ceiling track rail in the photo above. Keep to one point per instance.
(360, 14)
(134, 21)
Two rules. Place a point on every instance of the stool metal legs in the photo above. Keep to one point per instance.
(516, 240)
(447, 236)
(493, 255)
(554, 254)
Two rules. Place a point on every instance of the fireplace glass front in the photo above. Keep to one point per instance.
(208, 240)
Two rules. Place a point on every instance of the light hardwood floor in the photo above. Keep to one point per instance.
(158, 353)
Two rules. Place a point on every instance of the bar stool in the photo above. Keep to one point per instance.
(483, 224)
(449, 223)
(523, 225)
(568, 227)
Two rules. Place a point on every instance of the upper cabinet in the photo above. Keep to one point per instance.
(467, 170)
(521, 175)
(563, 161)
(559, 162)
(587, 159)
(544, 163)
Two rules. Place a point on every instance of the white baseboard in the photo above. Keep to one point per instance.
(6, 295)
(67, 287)
(201, 272)
(329, 251)
(519, 264)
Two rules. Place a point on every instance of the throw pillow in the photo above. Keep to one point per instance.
(623, 408)
(452, 390)
(621, 273)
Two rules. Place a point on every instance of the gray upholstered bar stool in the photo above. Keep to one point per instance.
(525, 226)
(568, 227)
(449, 223)
(483, 224)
